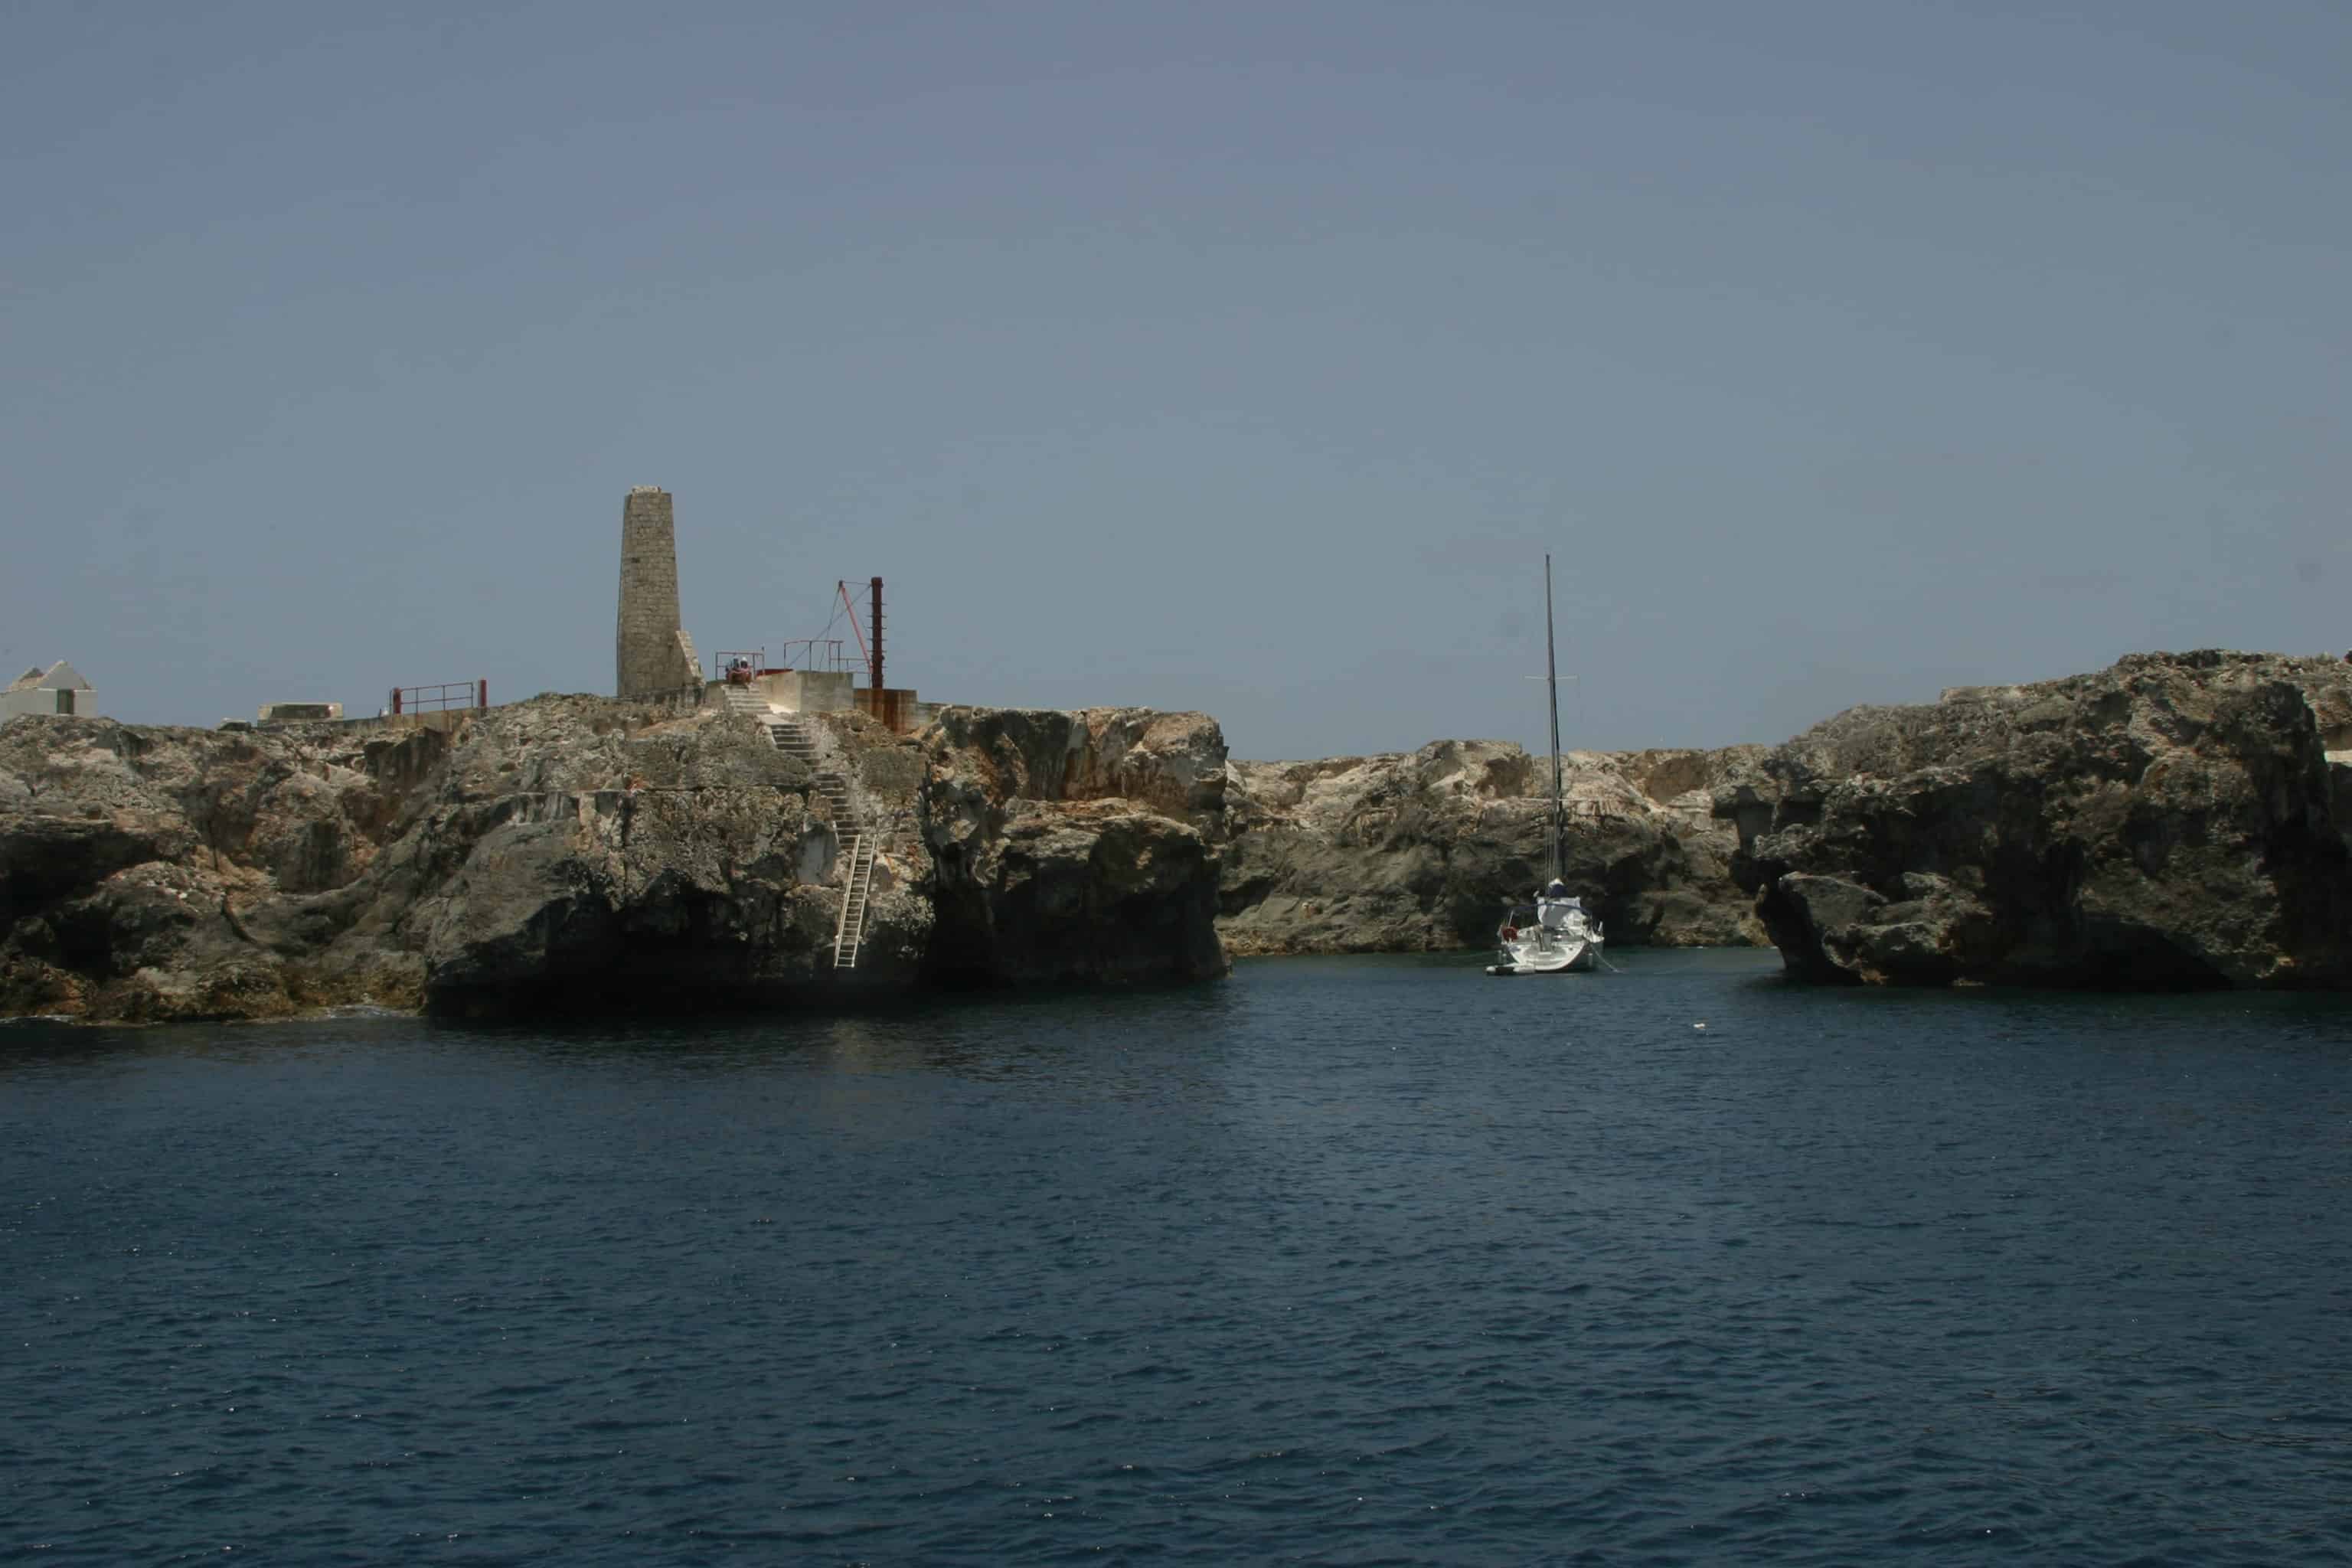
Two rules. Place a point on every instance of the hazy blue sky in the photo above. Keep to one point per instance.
(1244, 357)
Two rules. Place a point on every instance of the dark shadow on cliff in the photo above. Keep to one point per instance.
(658, 994)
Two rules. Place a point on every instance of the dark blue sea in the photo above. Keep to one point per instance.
(1337, 1261)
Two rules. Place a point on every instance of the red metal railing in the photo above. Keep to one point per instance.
(441, 699)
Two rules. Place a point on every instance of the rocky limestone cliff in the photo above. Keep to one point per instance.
(684, 861)
(1419, 851)
(2176, 820)
(577, 851)
(151, 873)
(1070, 845)
(2173, 821)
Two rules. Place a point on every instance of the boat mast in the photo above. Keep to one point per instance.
(1551, 674)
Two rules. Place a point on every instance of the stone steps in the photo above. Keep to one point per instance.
(794, 739)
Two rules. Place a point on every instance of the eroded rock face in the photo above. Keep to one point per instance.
(681, 863)
(1072, 845)
(1421, 850)
(141, 869)
(2172, 821)
(1171, 763)
(577, 852)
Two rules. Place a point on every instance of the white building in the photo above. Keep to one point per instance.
(57, 690)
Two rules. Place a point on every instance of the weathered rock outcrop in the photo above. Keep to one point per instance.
(1419, 851)
(150, 873)
(682, 862)
(1071, 845)
(2173, 821)
(576, 851)
(2176, 820)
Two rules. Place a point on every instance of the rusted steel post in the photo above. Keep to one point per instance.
(877, 643)
(482, 692)
(395, 699)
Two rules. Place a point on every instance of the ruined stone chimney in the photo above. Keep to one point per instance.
(650, 650)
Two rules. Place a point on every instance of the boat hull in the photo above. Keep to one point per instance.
(1559, 958)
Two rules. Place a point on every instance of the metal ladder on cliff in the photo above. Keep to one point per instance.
(790, 736)
(857, 889)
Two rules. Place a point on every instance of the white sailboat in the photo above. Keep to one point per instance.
(1555, 934)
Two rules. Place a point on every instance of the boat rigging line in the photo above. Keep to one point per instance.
(1551, 675)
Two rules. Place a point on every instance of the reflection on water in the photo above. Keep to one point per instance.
(1338, 1259)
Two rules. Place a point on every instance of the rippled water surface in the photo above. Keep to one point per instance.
(1338, 1261)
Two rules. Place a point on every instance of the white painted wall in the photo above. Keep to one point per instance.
(809, 690)
(81, 704)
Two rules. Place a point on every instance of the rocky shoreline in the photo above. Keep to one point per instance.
(1418, 851)
(578, 852)
(2178, 820)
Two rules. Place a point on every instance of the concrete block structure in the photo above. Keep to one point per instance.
(808, 691)
(59, 689)
(651, 652)
(299, 713)
(896, 707)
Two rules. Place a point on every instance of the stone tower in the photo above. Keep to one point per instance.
(651, 652)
